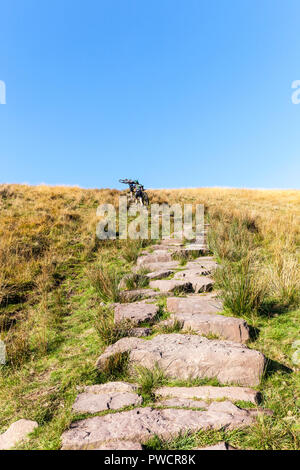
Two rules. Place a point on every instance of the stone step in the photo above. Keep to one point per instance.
(159, 266)
(155, 257)
(229, 328)
(120, 445)
(172, 285)
(209, 392)
(199, 283)
(183, 356)
(109, 396)
(206, 262)
(172, 241)
(159, 274)
(137, 312)
(199, 250)
(193, 271)
(201, 304)
(137, 294)
(183, 403)
(140, 424)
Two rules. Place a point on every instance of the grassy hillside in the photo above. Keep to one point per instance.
(55, 275)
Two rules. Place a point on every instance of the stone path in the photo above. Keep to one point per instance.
(210, 345)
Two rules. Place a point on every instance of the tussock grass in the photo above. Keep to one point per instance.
(106, 280)
(109, 331)
(149, 379)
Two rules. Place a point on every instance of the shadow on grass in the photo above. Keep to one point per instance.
(273, 366)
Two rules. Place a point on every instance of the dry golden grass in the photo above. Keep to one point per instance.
(48, 300)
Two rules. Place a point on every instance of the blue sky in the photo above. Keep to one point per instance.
(176, 93)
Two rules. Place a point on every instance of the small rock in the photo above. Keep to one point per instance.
(16, 433)
(139, 332)
(93, 403)
(109, 396)
(137, 312)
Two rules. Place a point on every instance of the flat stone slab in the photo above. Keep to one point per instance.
(93, 403)
(155, 257)
(140, 424)
(137, 312)
(160, 266)
(120, 445)
(172, 241)
(208, 303)
(137, 294)
(183, 356)
(206, 262)
(192, 271)
(171, 285)
(229, 328)
(183, 403)
(208, 392)
(199, 283)
(159, 274)
(16, 433)
(111, 387)
(111, 396)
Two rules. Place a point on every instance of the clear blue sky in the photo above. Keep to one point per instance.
(176, 93)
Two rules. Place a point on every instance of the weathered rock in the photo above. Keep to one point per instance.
(208, 392)
(193, 271)
(172, 285)
(155, 257)
(16, 433)
(230, 328)
(183, 403)
(140, 424)
(139, 332)
(109, 396)
(111, 387)
(219, 446)
(92, 402)
(137, 294)
(137, 312)
(206, 262)
(208, 303)
(159, 274)
(159, 266)
(120, 445)
(199, 283)
(192, 356)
